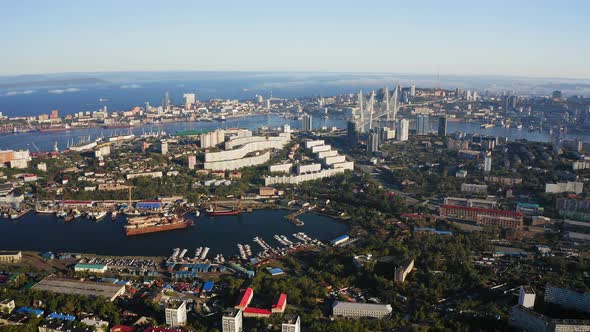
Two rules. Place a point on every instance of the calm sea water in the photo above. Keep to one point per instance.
(45, 141)
(47, 233)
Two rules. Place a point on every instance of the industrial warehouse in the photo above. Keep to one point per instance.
(88, 288)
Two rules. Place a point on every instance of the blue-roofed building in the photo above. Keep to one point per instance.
(55, 315)
(275, 271)
(30, 311)
(148, 205)
(530, 209)
(208, 286)
(48, 255)
(340, 240)
(432, 230)
(109, 280)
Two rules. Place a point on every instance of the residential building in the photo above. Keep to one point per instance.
(291, 323)
(402, 270)
(526, 297)
(164, 147)
(192, 161)
(7, 306)
(474, 188)
(442, 126)
(306, 122)
(483, 217)
(360, 310)
(572, 208)
(10, 256)
(403, 130)
(422, 125)
(176, 313)
(373, 142)
(231, 320)
(568, 298)
(487, 164)
(526, 319)
(564, 187)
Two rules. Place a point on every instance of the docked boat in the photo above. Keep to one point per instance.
(154, 223)
(41, 209)
(97, 215)
(76, 213)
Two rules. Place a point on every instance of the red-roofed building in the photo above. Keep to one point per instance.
(483, 217)
(257, 312)
(122, 328)
(281, 304)
(245, 299)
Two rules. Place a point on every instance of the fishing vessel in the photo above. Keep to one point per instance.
(153, 224)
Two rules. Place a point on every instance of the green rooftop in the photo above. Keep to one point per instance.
(89, 266)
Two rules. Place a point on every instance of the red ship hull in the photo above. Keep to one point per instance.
(158, 228)
(223, 213)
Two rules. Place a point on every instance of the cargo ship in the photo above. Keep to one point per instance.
(153, 224)
(55, 128)
(215, 212)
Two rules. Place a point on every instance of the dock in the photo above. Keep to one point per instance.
(293, 217)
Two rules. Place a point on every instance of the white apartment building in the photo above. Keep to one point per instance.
(231, 320)
(176, 313)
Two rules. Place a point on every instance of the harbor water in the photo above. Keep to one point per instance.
(35, 232)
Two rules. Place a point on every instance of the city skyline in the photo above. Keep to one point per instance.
(457, 38)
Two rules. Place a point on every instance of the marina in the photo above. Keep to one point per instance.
(217, 236)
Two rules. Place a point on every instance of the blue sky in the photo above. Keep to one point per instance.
(534, 38)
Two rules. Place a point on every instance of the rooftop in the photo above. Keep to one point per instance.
(290, 318)
(384, 308)
(231, 312)
(174, 304)
(72, 286)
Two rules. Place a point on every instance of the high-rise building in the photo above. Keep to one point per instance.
(413, 91)
(442, 126)
(291, 323)
(176, 313)
(352, 133)
(164, 147)
(54, 115)
(166, 101)
(487, 164)
(422, 125)
(526, 297)
(189, 100)
(373, 142)
(403, 130)
(192, 161)
(568, 298)
(306, 122)
(475, 96)
(286, 128)
(557, 94)
(232, 320)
